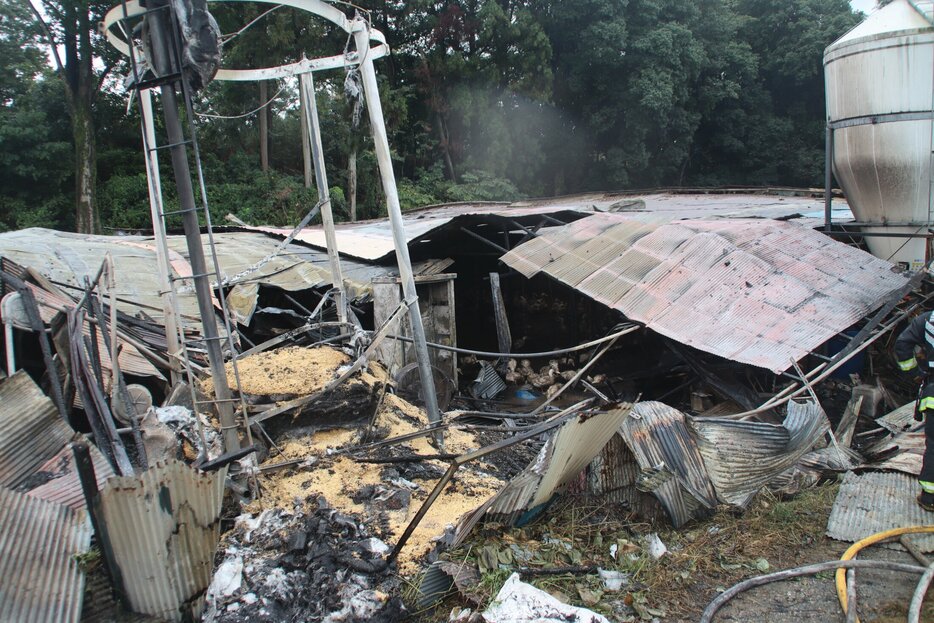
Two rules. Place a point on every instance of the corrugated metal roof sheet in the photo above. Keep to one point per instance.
(131, 361)
(563, 457)
(372, 240)
(658, 436)
(163, 527)
(873, 502)
(756, 291)
(742, 457)
(613, 475)
(40, 576)
(35, 453)
(31, 430)
(68, 258)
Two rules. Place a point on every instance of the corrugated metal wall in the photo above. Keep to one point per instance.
(163, 527)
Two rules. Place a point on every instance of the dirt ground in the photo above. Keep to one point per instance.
(704, 558)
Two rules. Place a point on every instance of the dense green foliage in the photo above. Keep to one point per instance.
(484, 99)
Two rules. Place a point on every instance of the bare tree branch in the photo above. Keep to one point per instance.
(48, 33)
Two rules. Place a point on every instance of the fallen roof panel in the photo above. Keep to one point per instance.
(760, 292)
(873, 502)
(659, 438)
(40, 573)
(742, 457)
(372, 240)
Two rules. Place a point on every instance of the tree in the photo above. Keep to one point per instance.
(71, 25)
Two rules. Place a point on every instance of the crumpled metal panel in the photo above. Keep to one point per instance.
(40, 576)
(563, 457)
(31, 429)
(131, 360)
(613, 474)
(163, 527)
(742, 457)
(658, 437)
(873, 502)
(756, 291)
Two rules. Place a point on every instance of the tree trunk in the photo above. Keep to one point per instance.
(352, 184)
(446, 148)
(263, 127)
(87, 219)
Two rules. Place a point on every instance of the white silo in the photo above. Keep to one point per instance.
(879, 80)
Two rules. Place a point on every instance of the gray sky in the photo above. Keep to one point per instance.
(863, 5)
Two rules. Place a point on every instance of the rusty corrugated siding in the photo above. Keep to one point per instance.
(742, 457)
(873, 502)
(40, 577)
(658, 436)
(31, 430)
(756, 291)
(163, 527)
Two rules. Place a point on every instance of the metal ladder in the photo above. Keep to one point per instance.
(230, 408)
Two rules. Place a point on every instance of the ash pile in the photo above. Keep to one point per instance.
(311, 563)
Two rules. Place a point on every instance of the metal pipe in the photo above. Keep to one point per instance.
(828, 178)
(313, 126)
(159, 31)
(384, 159)
(158, 230)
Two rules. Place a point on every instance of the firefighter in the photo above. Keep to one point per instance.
(920, 333)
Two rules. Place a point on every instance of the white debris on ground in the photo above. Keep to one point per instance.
(518, 602)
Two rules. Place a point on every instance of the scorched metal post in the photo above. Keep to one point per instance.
(159, 23)
(381, 145)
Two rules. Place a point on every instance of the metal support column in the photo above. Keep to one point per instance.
(310, 119)
(158, 230)
(381, 144)
(828, 179)
(159, 27)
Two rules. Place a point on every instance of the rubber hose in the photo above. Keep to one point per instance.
(854, 549)
(820, 567)
(914, 609)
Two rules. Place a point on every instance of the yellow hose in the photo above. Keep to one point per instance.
(854, 549)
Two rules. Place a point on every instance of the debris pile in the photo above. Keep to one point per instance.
(313, 563)
(382, 487)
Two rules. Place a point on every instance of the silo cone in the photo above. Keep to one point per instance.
(885, 66)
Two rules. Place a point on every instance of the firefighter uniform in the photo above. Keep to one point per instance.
(920, 332)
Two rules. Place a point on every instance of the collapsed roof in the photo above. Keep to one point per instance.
(757, 291)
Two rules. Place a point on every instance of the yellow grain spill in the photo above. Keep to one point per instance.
(339, 478)
(291, 370)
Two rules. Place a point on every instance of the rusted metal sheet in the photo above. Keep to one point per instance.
(875, 501)
(760, 292)
(613, 475)
(660, 440)
(742, 457)
(163, 527)
(131, 361)
(31, 430)
(40, 544)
